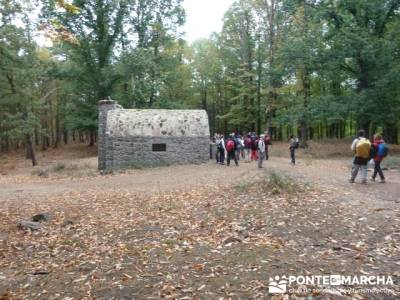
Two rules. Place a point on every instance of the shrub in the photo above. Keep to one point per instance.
(41, 173)
(278, 184)
(58, 167)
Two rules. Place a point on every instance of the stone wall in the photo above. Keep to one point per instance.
(137, 152)
(104, 107)
(121, 143)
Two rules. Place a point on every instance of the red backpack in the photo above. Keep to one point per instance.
(230, 146)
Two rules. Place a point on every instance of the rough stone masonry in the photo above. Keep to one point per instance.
(150, 137)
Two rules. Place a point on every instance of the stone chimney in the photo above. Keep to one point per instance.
(104, 107)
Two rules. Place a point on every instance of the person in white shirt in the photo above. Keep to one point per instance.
(261, 150)
(221, 149)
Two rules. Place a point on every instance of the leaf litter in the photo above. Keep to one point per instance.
(215, 242)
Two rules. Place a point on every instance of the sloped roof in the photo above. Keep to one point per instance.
(157, 123)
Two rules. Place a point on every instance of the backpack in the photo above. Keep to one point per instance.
(247, 142)
(219, 145)
(372, 152)
(254, 146)
(383, 150)
(363, 148)
(230, 146)
(296, 143)
(238, 143)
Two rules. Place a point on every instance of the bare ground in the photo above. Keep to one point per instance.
(203, 232)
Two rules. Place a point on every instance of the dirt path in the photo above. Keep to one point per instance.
(332, 174)
(157, 180)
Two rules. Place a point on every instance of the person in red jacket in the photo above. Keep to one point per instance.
(378, 159)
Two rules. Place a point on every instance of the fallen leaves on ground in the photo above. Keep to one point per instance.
(215, 242)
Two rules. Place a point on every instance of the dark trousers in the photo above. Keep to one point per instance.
(292, 155)
(221, 155)
(266, 152)
(378, 170)
(232, 155)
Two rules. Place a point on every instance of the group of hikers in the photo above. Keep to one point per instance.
(366, 152)
(251, 147)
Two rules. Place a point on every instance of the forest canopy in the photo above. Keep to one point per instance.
(315, 68)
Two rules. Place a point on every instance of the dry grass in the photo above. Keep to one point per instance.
(67, 169)
(332, 148)
(74, 160)
(274, 184)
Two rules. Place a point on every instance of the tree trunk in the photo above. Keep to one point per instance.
(91, 139)
(204, 99)
(65, 136)
(305, 79)
(259, 73)
(30, 149)
(58, 132)
(44, 143)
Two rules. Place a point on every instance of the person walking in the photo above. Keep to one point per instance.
(381, 150)
(261, 150)
(293, 145)
(231, 149)
(361, 147)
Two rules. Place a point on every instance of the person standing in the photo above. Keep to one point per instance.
(361, 147)
(254, 145)
(241, 140)
(231, 149)
(381, 150)
(238, 142)
(293, 145)
(261, 150)
(247, 147)
(221, 149)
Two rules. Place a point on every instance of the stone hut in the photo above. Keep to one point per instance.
(151, 137)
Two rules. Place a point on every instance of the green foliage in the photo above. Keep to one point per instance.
(319, 69)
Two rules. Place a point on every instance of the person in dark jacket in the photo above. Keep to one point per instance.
(231, 147)
(378, 159)
(254, 147)
(293, 144)
(247, 146)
